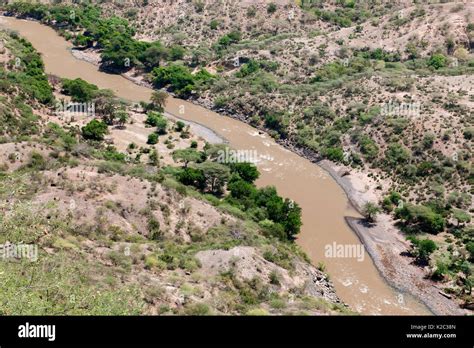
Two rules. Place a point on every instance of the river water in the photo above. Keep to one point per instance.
(324, 204)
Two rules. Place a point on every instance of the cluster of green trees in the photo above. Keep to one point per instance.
(420, 218)
(378, 54)
(437, 215)
(108, 109)
(107, 106)
(24, 80)
(255, 65)
(228, 39)
(157, 120)
(79, 90)
(431, 217)
(201, 170)
(339, 69)
(120, 51)
(346, 14)
(28, 71)
(179, 79)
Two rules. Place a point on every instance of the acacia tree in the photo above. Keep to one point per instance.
(216, 175)
(158, 100)
(370, 210)
(185, 156)
(122, 117)
(153, 55)
(106, 106)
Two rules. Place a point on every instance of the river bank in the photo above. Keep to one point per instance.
(385, 244)
(382, 240)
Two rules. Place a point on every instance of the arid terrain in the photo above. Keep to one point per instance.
(381, 90)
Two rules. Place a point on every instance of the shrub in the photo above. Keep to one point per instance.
(197, 309)
(396, 154)
(227, 40)
(271, 8)
(334, 154)
(214, 24)
(180, 126)
(37, 161)
(274, 278)
(437, 61)
(176, 52)
(152, 139)
(153, 118)
(468, 133)
(257, 312)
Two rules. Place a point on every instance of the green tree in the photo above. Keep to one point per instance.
(177, 77)
(240, 188)
(94, 130)
(233, 37)
(370, 211)
(247, 171)
(153, 118)
(186, 155)
(422, 249)
(420, 218)
(192, 176)
(158, 100)
(437, 61)
(106, 106)
(119, 54)
(122, 117)
(153, 55)
(216, 175)
(291, 219)
(161, 125)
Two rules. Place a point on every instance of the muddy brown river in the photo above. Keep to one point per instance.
(324, 204)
